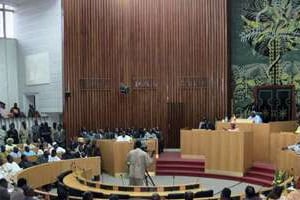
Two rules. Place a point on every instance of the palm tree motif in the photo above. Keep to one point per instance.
(272, 28)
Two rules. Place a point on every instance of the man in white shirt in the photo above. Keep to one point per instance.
(123, 137)
(255, 118)
(11, 168)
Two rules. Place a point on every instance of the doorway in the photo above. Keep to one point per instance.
(175, 122)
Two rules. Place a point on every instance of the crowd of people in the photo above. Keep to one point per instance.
(125, 134)
(15, 111)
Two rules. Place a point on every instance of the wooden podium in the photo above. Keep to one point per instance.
(261, 135)
(114, 155)
(226, 153)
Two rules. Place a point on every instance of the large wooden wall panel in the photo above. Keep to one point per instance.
(168, 51)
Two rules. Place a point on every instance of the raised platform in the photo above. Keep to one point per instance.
(172, 164)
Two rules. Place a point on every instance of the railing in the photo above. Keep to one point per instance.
(29, 121)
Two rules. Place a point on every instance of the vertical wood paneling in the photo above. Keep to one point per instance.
(127, 40)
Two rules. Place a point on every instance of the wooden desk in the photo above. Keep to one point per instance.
(288, 161)
(114, 154)
(279, 140)
(225, 152)
(261, 135)
(47, 173)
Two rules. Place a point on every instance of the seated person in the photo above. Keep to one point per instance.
(11, 167)
(43, 158)
(150, 135)
(251, 194)
(16, 153)
(10, 144)
(205, 124)
(15, 110)
(276, 193)
(255, 118)
(28, 152)
(233, 127)
(123, 137)
(298, 128)
(3, 153)
(53, 157)
(25, 163)
(294, 147)
(225, 194)
(58, 149)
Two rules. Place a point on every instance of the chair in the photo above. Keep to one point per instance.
(175, 196)
(207, 193)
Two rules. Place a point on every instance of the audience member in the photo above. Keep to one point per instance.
(11, 167)
(155, 196)
(4, 194)
(15, 111)
(188, 195)
(275, 194)
(25, 163)
(28, 152)
(16, 153)
(35, 131)
(53, 157)
(3, 112)
(255, 118)
(22, 183)
(3, 153)
(226, 194)
(250, 193)
(123, 137)
(93, 150)
(23, 133)
(9, 144)
(3, 135)
(45, 132)
(67, 155)
(32, 112)
(29, 194)
(58, 149)
(150, 135)
(13, 133)
(87, 196)
(43, 158)
(233, 127)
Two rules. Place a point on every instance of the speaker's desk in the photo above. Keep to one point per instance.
(261, 135)
(114, 154)
(227, 153)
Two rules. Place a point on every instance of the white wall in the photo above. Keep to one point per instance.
(8, 72)
(38, 27)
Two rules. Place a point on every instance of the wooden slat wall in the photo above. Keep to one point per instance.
(179, 45)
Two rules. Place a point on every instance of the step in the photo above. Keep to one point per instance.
(262, 170)
(196, 174)
(257, 181)
(264, 166)
(261, 175)
(180, 167)
(179, 173)
(181, 162)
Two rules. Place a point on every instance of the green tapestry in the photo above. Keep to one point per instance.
(265, 42)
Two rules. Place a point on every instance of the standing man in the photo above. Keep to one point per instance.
(138, 161)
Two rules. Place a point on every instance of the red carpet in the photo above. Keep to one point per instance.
(171, 164)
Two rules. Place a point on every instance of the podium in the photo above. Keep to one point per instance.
(226, 153)
(114, 155)
(261, 135)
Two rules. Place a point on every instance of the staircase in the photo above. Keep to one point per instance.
(260, 174)
(171, 164)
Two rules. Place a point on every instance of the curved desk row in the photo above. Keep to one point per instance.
(44, 174)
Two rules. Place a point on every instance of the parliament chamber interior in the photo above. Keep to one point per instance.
(149, 99)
